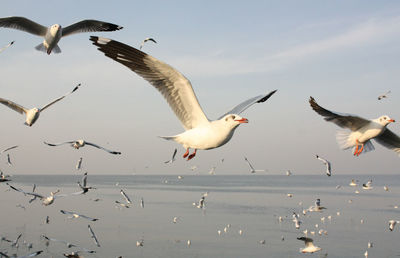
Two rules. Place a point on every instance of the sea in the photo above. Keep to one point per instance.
(243, 216)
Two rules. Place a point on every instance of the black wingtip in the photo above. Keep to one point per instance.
(267, 96)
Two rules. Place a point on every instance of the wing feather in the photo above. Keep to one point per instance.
(24, 24)
(389, 140)
(60, 98)
(14, 106)
(89, 26)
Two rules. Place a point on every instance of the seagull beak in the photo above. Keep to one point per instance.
(243, 120)
(391, 120)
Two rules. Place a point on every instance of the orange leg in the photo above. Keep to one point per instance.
(361, 149)
(191, 156)
(356, 150)
(186, 153)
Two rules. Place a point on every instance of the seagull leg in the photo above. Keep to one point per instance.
(186, 153)
(356, 150)
(361, 149)
(191, 156)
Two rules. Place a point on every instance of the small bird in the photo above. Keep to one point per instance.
(252, 170)
(9, 160)
(84, 186)
(317, 206)
(33, 114)
(288, 173)
(386, 188)
(310, 247)
(126, 197)
(34, 197)
(296, 220)
(48, 239)
(54, 33)
(8, 45)
(46, 200)
(392, 224)
(362, 130)
(366, 254)
(93, 236)
(367, 185)
(81, 143)
(140, 242)
(76, 215)
(15, 242)
(47, 220)
(141, 202)
(3, 177)
(383, 96)
(353, 182)
(122, 204)
(173, 157)
(145, 40)
(327, 164)
(79, 164)
(31, 254)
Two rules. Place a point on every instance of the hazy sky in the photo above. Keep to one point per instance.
(343, 53)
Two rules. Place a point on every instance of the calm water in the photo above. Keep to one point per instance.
(250, 203)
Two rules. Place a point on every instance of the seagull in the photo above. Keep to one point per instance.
(48, 239)
(212, 170)
(145, 40)
(392, 224)
(15, 242)
(310, 247)
(84, 186)
(173, 157)
(296, 220)
(201, 133)
(367, 185)
(327, 164)
(55, 32)
(76, 215)
(386, 188)
(385, 95)
(93, 236)
(126, 197)
(3, 177)
(4, 48)
(81, 143)
(79, 164)
(31, 254)
(9, 148)
(122, 204)
(47, 220)
(33, 114)
(9, 160)
(288, 173)
(46, 200)
(252, 170)
(353, 182)
(141, 202)
(361, 130)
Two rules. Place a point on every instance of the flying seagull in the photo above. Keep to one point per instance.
(79, 164)
(173, 157)
(9, 160)
(3, 177)
(361, 130)
(392, 223)
(81, 143)
(367, 185)
(310, 247)
(385, 95)
(327, 164)
(126, 197)
(46, 200)
(76, 215)
(93, 236)
(31, 254)
(4, 48)
(201, 133)
(84, 186)
(252, 170)
(33, 114)
(34, 197)
(54, 33)
(145, 40)
(48, 239)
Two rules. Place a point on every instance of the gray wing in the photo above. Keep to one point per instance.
(60, 98)
(31, 254)
(84, 179)
(58, 144)
(88, 218)
(24, 24)
(351, 122)
(248, 162)
(89, 26)
(93, 236)
(126, 197)
(389, 140)
(14, 106)
(9, 148)
(248, 103)
(99, 147)
(175, 88)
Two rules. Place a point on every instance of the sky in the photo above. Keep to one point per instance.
(343, 53)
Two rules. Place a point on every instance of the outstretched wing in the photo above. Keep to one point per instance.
(248, 162)
(351, 122)
(99, 147)
(58, 144)
(175, 88)
(60, 98)
(389, 140)
(9, 148)
(93, 236)
(248, 103)
(89, 26)
(14, 106)
(24, 24)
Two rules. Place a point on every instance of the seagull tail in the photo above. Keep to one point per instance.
(169, 138)
(41, 48)
(56, 49)
(345, 139)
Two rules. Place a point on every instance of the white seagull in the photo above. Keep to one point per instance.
(252, 170)
(4, 48)
(296, 220)
(327, 164)
(84, 186)
(93, 236)
(367, 185)
(33, 114)
(145, 40)
(317, 206)
(76, 215)
(173, 157)
(79, 164)
(46, 200)
(81, 143)
(54, 33)
(353, 182)
(4, 177)
(310, 247)
(201, 133)
(385, 95)
(392, 224)
(361, 130)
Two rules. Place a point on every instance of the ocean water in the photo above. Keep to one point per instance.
(250, 203)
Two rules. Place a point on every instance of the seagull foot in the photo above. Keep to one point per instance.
(186, 153)
(191, 156)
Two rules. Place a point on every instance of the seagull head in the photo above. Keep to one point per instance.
(55, 29)
(385, 120)
(234, 120)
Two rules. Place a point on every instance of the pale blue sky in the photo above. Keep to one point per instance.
(343, 53)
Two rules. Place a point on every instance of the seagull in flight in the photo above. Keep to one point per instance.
(9, 160)
(385, 95)
(93, 236)
(79, 164)
(76, 215)
(145, 40)
(84, 186)
(31, 254)
(252, 170)
(392, 224)
(126, 197)
(48, 239)
(200, 132)
(4, 48)
(54, 33)
(361, 130)
(327, 164)
(81, 143)
(173, 157)
(3, 177)
(33, 114)
(46, 200)
(310, 247)
(367, 185)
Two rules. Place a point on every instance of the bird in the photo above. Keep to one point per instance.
(9, 160)
(361, 130)
(288, 173)
(367, 185)
(317, 206)
(296, 220)
(15, 242)
(200, 132)
(126, 197)
(46, 200)
(8, 45)
(385, 95)
(252, 170)
(93, 236)
(9, 148)
(3, 177)
(385, 188)
(48, 239)
(141, 202)
(84, 186)
(140, 242)
(33, 114)
(81, 143)
(353, 182)
(145, 40)
(34, 197)
(54, 33)
(47, 220)
(310, 247)
(79, 164)
(392, 224)
(173, 157)
(76, 215)
(31, 254)
(327, 164)
(122, 204)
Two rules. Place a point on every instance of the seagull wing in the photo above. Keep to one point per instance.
(99, 147)
(126, 197)
(66, 212)
(173, 157)
(89, 26)
(9, 148)
(84, 179)
(351, 122)
(60, 98)
(248, 103)
(20, 109)
(308, 241)
(24, 24)
(93, 236)
(150, 39)
(31, 254)
(88, 218)
(389, 140)
(248, 162)
(175, 88)
(58, 144)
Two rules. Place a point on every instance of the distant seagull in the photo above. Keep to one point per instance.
(4, 48)
(15, 242)
(385, 95)
(33, 114)
(93, 236)
(361, 130)
(367, 185)
(76, 215)
(9, 148)
(310, 247)
(366, 254)
(47, 220)
(126, 197)
(173, 157)
(48, 239)
(353, 182)
(9, 160)
(145, 40)
(252, 170)
(31, 254)
(201, 133)
(84, 186)
(122, 204)
(386, 188)
(296, 220)
(392, 224)
(288, 173)
(140, 242)
(141, 202)
(54, 33)
(327, 164)
(175, 220)
(46, 200)
(212, 171)
(81, 143)
(79, 164)
(3, 177)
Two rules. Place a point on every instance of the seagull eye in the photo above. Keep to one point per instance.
(384, 117)
(233, 117)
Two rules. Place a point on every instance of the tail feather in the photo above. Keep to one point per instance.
(41, 47)
(56, 49)
(345, 139)
(169, 138)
